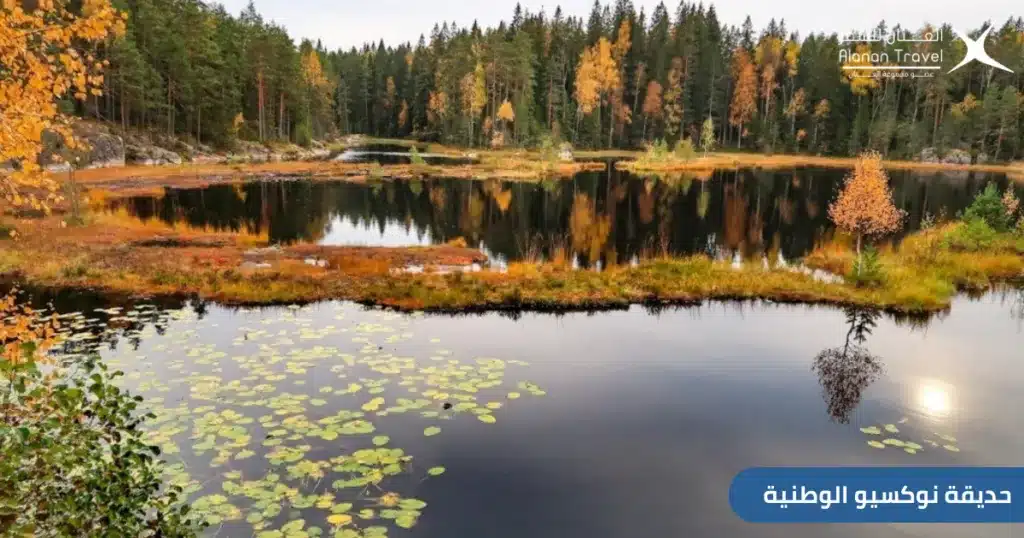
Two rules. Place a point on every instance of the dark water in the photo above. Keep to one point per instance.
(597, 217)
(643, 421)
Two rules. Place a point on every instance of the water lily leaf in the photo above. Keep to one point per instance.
(894, 442)
(381, 440)
(488, 419)
(873, 430)
(875, 444)
(431, 431)
(909, 450)
(436, 471)
(513, 395)
(891, 428)
(366, 513)
(951, 448)
(339, 519)
(412, 504)
(341, 508)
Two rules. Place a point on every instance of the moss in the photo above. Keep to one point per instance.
(122, 256)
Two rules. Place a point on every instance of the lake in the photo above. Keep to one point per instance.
(617, 424)
(595, 218)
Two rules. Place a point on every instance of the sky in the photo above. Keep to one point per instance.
(347, 23)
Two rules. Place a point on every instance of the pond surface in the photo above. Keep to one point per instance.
(620, 424)
(594, 218)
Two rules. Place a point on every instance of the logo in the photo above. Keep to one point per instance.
(976, 51)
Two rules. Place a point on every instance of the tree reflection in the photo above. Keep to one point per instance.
(844, 372)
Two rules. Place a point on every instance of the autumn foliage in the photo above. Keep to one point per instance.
(45, 54)
(864, 207)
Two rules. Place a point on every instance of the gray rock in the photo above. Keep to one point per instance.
(565, 152)
(254, 265)
(957, 156)
(982, 158)
(929, 155)
(150, 155)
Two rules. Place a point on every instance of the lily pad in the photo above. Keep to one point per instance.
(431, 431)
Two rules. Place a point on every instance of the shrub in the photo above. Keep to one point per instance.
(304, 134)
(988, 206)
(972, 235)
(73, 456)
(415, 157)
(658, 151)
(685, 150)
(867, 270)
(1020, 227)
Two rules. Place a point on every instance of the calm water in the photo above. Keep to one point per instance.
(622, 424)
(597, 217)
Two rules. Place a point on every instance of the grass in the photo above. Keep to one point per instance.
(117, 254)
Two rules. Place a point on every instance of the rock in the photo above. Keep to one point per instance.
(565, 152)
(106, 151)
(254, 265)
(982, 158)
(97, 148)
(957, 156)
(929, 155)
(150, 155)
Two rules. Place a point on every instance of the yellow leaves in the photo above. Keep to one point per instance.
(965, 107)
(40, 53)
(597, 73)
(864, 206)
(505, 112)
(796, 104)
(822, 109)
(857, 72)
(792, 55)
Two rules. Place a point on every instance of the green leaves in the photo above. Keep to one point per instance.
(431, 431)
(436, 471)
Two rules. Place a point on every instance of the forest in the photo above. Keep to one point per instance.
(615, 79)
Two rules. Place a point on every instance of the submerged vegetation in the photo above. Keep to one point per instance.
(281, 451)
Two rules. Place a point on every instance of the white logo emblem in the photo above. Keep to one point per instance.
(976, 51)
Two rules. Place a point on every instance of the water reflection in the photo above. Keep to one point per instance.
(594, 219)
(844, 372)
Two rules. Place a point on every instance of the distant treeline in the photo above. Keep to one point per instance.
(617, 79)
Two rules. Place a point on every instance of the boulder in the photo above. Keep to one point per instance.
(97, 148)
(565, 152)
(957, 156)
(929, 155)
(106, 150)
(982, 158)
(150, 155)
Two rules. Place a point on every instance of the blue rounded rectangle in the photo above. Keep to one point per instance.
(879, 495)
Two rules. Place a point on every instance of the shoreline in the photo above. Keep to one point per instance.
(113, 254)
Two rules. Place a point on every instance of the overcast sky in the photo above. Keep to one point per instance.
(344, 23)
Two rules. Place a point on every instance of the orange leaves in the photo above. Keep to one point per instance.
(437, 107)
(505, 112)
(864, 206)
(744, 99)
(24, 333)
(39, 50)
(652, 101)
